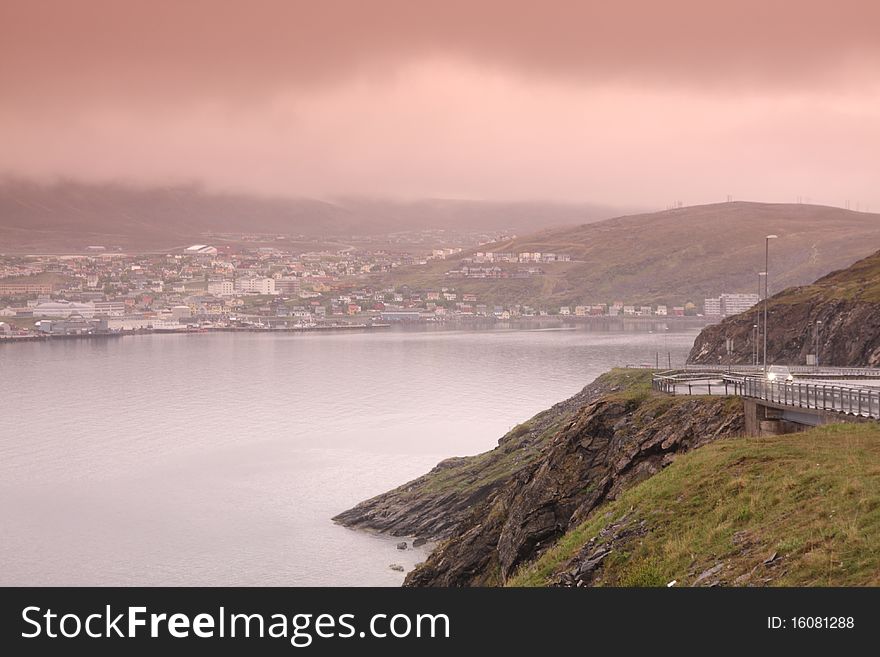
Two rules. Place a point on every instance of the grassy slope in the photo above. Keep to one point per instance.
(860, 282)
(473, 472)
(813, 498)
(673, 256)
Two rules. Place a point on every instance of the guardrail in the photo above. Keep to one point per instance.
(852, 400)
(863, 372)
(863, 402)
(696, 385)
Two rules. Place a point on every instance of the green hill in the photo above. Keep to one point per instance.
(670, 257)
(795, 510)
(621, 485)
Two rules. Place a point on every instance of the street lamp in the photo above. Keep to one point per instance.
(758, 318)
(818, 327)
(766, 290)
(755, 342)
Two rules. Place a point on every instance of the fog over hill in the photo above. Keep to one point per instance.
(75, 215)
(674, 256)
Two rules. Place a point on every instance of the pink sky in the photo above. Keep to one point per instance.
(635, 103)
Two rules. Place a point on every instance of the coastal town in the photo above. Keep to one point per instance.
(243, 286)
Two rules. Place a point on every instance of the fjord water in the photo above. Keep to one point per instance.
(219, 459)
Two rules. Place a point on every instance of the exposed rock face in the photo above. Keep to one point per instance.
(584, 568)
(432, 506)
(608, 445)
(846, 302)
(849, 335)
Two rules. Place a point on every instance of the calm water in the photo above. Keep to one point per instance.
(220, 459)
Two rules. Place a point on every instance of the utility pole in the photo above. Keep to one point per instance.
(818, 328)
(766, 291)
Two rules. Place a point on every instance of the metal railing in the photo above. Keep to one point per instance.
(695, 384)
(852, 400)
(863, 402)
(813, 371)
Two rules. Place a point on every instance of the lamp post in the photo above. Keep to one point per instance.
(758, 318)
(818, 327)
(766, 291)
(755, 342)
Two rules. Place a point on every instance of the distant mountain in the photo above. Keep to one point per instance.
(675, 256)
(75, 215)
(846, 302)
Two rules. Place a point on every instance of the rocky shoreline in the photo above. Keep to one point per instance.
(496, 511)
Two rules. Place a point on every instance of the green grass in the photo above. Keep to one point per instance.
(516, 449)
(812, 498)
(860, 282)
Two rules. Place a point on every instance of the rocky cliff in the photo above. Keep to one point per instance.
(507, 506)
(433, 505)
(846, 302)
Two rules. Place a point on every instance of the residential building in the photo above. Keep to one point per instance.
(289, 286)
(712, 307)
(263, 286)
(729, 304)
(221, 288)
(12, 288)
(733, 304)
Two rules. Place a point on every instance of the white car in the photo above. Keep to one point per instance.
(779, 373)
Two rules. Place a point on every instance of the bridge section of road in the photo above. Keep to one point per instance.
(813, 397)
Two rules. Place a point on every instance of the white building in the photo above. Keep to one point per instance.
(712, 307)
(729, 304)
(180, 312)
(733, 304)
(110, 308)
(130, 323)
(256, 285)
(64, 309)
(221, 288)
(201, 250)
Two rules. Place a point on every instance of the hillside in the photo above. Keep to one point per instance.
(75, 215)
(432, 506)
(621, 485)
(604, 440)
(671, 257)
(795, 510)
(847, 302)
